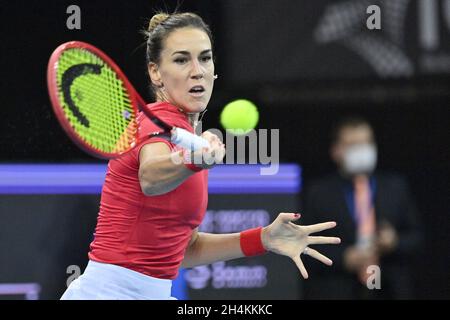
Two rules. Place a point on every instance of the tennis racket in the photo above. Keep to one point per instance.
(98, 107)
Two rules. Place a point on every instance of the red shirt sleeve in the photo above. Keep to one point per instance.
(146, 126)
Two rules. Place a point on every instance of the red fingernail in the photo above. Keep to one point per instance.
(297, 215)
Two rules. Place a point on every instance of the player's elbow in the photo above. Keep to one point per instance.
(152, 187)
(149, 187)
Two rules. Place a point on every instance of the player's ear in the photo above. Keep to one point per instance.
(155, 76)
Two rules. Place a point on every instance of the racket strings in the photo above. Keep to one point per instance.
(102, 98)
(93, 100)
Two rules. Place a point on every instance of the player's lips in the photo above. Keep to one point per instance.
(197, 91)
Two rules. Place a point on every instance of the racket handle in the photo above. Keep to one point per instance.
(188, 140)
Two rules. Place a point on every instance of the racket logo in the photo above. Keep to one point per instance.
(68, 78)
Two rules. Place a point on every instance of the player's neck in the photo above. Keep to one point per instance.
(193, 119)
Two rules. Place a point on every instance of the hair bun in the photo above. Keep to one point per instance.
(156, 20)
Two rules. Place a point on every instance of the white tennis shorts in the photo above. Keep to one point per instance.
(103, 281)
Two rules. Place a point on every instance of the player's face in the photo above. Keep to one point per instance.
(186, 69)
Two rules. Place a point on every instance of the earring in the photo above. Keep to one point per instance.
(215, 76)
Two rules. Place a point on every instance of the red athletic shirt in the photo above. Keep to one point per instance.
(148, 234)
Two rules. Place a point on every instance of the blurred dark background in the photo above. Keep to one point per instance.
(284, 56)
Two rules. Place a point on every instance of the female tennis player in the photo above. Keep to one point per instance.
(154, 197)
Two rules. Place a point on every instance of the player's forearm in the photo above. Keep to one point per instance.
(209, 248)
(163, 173)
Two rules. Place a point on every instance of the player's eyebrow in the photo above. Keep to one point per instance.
(187, 52)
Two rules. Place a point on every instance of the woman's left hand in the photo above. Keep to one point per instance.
(289, 239)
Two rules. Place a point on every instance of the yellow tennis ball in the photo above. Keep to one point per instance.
(239, 116)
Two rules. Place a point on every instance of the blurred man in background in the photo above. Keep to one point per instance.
(376, 220)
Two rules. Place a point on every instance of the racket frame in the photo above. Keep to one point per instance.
(137, 103)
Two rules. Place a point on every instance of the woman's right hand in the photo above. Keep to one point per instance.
(207, 158)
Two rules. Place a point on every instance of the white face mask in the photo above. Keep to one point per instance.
(360, 158)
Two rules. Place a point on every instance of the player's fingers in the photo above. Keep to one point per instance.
(214, 148)
(220, 154)
(288, 216)
(318, 256)
(319, 227)
(300, 266)
(210, 137)
(323, 240)
(215, 153)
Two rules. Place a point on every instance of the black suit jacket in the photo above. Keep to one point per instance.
(325, 200)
